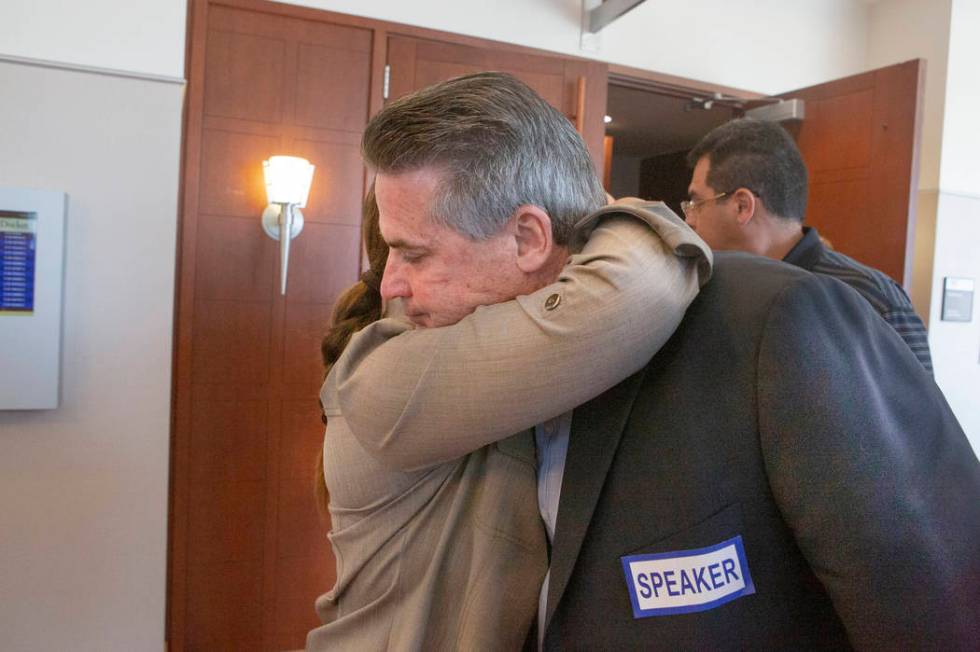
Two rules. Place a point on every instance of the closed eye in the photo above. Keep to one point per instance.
(412, 255)
(409, 252)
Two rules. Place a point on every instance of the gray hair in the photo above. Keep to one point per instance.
(498, 146)
(759, 156)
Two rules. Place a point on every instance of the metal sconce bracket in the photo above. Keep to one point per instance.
(277, 218)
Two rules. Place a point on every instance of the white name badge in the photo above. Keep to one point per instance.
(687, 580)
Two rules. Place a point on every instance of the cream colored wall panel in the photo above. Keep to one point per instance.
(956, 345)
(83, 488)
(961, 138)
(145, 36)
(762, 45)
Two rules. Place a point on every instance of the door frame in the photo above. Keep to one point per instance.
(664, 85)
(659, 82)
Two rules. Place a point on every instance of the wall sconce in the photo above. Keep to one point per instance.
(287, 186)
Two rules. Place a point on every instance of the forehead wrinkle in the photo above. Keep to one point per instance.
(425, 182)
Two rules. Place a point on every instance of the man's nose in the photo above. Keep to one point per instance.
(393, 283)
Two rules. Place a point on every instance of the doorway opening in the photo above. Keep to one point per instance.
(653, 126)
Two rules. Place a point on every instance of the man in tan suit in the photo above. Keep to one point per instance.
(437, 534)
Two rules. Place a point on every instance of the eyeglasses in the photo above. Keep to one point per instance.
(689, 207)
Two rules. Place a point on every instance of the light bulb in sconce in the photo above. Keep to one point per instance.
(287, 180)
(287, 187)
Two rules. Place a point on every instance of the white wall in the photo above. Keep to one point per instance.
(769, 46)
(961, 138)
(144, 36)
(956, 345)
(763, 45)
(83, 489)
(909, 29)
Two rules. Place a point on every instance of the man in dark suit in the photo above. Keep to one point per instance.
(784, 474)
(748, 192)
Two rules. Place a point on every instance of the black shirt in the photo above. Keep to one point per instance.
(885, 295)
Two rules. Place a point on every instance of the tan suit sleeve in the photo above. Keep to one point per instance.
(431, 395)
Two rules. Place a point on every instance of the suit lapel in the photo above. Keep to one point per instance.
(596, 429)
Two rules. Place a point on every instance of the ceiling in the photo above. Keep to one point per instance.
(646, 123)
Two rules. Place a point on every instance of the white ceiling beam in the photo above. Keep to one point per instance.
(607, 12)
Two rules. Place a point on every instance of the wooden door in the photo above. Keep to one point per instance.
(248, 552)
(859, 139)
(575, 87)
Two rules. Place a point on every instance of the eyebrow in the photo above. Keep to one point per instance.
(398, 243)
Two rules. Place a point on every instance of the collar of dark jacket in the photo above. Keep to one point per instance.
(807, 251)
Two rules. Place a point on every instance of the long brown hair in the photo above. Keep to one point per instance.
(357, 307)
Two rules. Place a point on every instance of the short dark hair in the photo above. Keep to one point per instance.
(498, 146)
(760, 156)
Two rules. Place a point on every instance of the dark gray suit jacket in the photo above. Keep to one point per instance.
(786, 412)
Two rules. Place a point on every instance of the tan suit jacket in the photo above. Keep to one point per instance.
(436, 530)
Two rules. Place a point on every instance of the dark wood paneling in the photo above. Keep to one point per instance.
(232, 342)
(417, 63)
(326, 250)
(860, 142)
(301, 440)
(852, 234)
(224, 608)
(435, 61)
(325, 73)
(303, 369)
(300, 579)
(337, 157)
(226, 524)
(550, 86)
(236, 263)
(245, 76)
(838, 132)
(893, 188)
(238, 455)
(232, 182)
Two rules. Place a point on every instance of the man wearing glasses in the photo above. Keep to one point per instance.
(748, 192)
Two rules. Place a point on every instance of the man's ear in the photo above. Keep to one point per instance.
(746, 206)
(531, 227)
